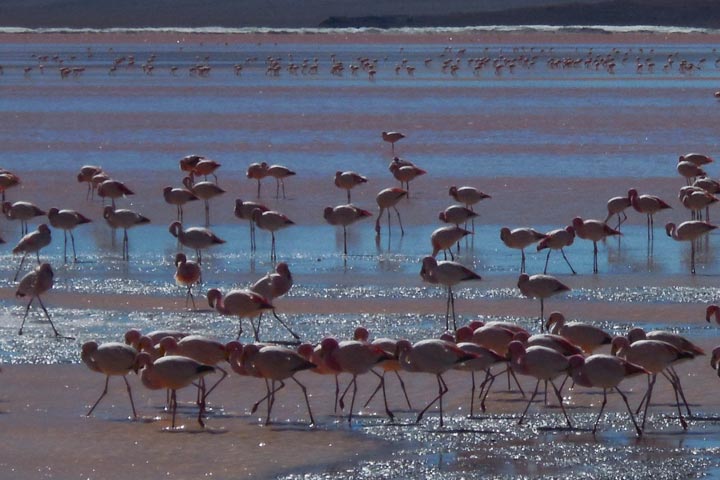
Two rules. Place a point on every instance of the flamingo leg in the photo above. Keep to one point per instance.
(104, 392)
(377, 389)
(546, 260)
(224, 374)
(532, 397)
(442, 390)
(65, 246)
(265, 397)
(562, 407)
(27, 309)
(677, 399)
(680, 390)
(568, 262)
(382, 382)
(692, 257)
(132, 404)
(190, 296)
(632, 417)
(647, 399)
(307, 400)
(402, 230)
(402, 385)
(472, 394)
(345, 240)
(352, 402)
(42, 305)
(22, 260)
(522, 260)
(72, 239)
(272, 248)
(602, 408)
(295, 335)
(207, 212)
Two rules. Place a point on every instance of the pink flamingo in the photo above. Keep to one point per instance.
(204, 191)
(22, 211)
(468, 196)
(173, 373)
(197, 238)
(32, 242)
(244, 211)
(542, 287)
(240, 303)
(586, 336)
(542, 363)
(113, 189)
(34, 284)
(689, 232)
(387, 199)
(67, 220)
(124, 219)
(272, 286)
(110, 359)
(271, 221)
(606, 372)
(391, 138)
(344, 215)
(7, 180)
(449, 274)
(87, 172)
(205, 167)
(593, 230)
(348, 180)
(187, 274)
(457, 214)
(178, 197)
(257, 171)
(279, 173)
(405, 174)
(617, 206)
(435, 357)
(649, 205)
(557, 240)
(520, 238)
(444, 238)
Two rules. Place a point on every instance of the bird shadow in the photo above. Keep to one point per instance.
(452, 431)
(558, 428)
(702, 418)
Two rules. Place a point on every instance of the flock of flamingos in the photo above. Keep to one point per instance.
(173, 360)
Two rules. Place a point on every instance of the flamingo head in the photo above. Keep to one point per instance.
(557, 319)
(516, 351)
(174, 228)
(328, 345)
(464, 334)
(214, 297)
(447, 337)
(107, 211)
(132, 337)
(475, 324)
(442, 217)
(670, 228)
(453, 192)
(361, 334)
(180, 258)
(715, 359)
(577, 223)
(712, 310)
(619, 344)
(636, 334)
(521, 337)
(168, 345)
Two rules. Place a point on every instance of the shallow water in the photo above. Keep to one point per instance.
(565, 127)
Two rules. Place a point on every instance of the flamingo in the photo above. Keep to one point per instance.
(204, 191)
(187, 274)
(197, 238)
(649, 205)
(272, 286)
(695, 199)
(178, 197)
(520, 238)
(587, 337)
(67, 220)
(391, 138)
(557, 240)
(356, 358)
(654, 356)
(86, 174)
(276, 364)
(348, 180)
(689, 171)
(124, 219)
(22, 211)
(485, 359)
(205, 167)
(447, 273)
(113, 189)
(689, 232)
(432, 356)
(606, 372)
(344, 215)
(540, 286)
(594, 230)
(110, 359)
(444, 238)
(468, 196)
(34, 284)
(617, 206)
(244, 211)
(188, 162)
(279, 173)
(387, 199)
(712, 310)
(173, 373)
(457, 214)
(7, 180)
(542, 363)
(271, 221)
(405, 174)
(257, 171)
(240, 303)
(32, 242)
(132, 337)
(698, 159)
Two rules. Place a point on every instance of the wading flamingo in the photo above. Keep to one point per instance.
(110, 359)
(67, 220)
(446, 273)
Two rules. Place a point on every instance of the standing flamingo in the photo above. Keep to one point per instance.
(110, 359)
(344, 215)
(468, 196)
(387, 199)
(542, 363)
(205, 167)
(542, 287)
(557, 240)
(197, 238)
(124, 219)
(698, 159)
(649, 205)
(112, 189)
(279, 173)
(457, 214)
(173, 373)
(689, 232)
(34, 284)
(606, 372)
(391, 138)
(349, 180)
(405, 174)
(32, 242)
(244, 211)
(187, 274)
(520, 238)
(446, 273)
(444, 238)
(432, 356)
(22, 211)
(239, 303)
(257, 171)
(86, 174)
(272, 286)
(7, 180)
(593, 230)
(617, 206)
(67, 220)
(271, 221)
(204, 191)
(584, 335)
(178, 197)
